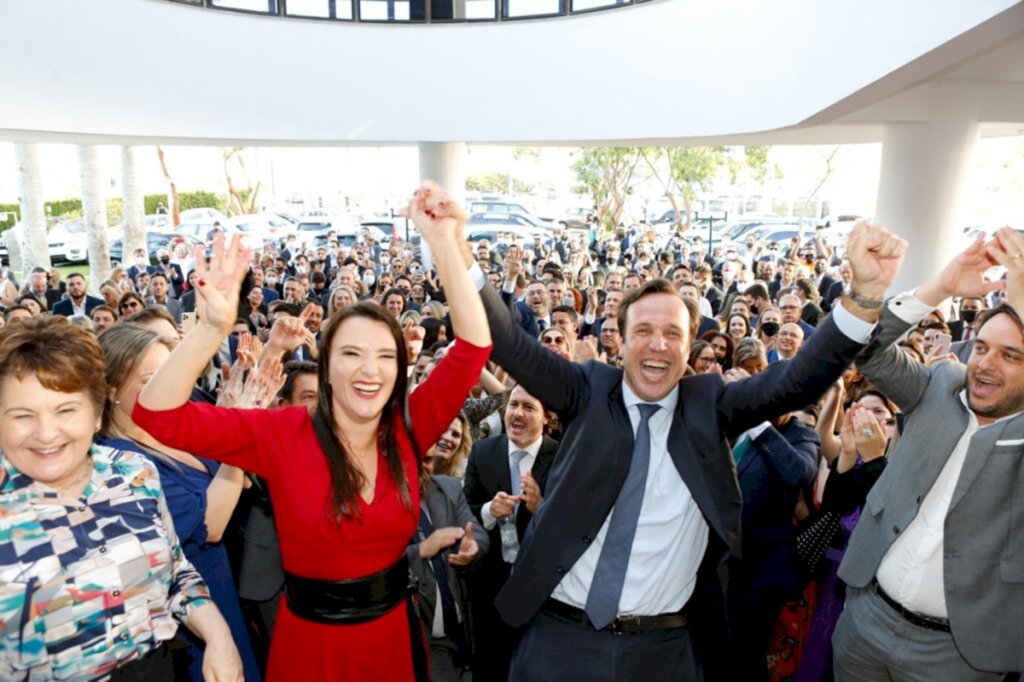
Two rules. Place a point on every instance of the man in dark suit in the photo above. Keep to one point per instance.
(965, 328)
(77, 302)
(172, 271)
(608, 595)
(505, 501)
(691, 290)
(792, 309)
(836, 290)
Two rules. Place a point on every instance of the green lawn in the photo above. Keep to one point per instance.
(66, 270)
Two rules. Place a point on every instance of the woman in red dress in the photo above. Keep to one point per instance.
(343, 478)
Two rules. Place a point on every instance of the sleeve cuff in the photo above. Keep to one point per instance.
(759, 429)
(508, 286)
(477, 275)
(486, 516)
(849, 324)
(908, 307)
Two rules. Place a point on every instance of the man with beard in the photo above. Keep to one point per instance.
(935, 562)
(505, 481)
(77, 302)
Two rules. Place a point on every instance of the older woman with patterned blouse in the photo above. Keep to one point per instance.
(92, 577)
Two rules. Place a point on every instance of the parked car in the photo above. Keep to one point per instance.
(154, 242)
(203, 215)
(576, 218)
(507, 207)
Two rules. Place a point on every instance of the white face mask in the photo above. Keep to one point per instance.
(369, 278)
(141, 262)
(271, 281)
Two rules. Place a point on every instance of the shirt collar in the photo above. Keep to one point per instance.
(532, 449)
(668, 403)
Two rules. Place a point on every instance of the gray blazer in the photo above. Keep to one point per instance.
(983, 550)
(172, 305)
(446, 504)
(963, 349)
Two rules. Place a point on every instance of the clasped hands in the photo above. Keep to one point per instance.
(504, 504)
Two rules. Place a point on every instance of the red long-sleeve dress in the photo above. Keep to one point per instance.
(281, 446)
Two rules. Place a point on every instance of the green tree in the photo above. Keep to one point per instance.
(609, 174)
(497, 182)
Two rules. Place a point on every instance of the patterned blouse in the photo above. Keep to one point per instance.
(89, 583)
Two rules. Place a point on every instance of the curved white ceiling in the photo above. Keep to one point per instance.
(152, 70)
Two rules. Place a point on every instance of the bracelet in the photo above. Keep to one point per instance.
(862, 301)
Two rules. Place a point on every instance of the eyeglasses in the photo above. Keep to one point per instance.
(707, 358)
(556, 340)
(132, 305)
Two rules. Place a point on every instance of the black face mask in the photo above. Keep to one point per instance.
(969, 316)
(770, 328)
(165, 259)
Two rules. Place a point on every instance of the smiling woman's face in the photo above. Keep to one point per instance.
(45, 434)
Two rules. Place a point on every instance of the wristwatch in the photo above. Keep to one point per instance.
(863, 302)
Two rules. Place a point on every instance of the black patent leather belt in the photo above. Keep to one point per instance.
(624, 625)
(348, 602)
(929, 622)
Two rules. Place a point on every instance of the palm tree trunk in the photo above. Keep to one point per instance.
(134, 204)
(94, 211)
(34, 249)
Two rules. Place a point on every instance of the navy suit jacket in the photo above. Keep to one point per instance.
(66, 308)
(523, 316)
(597, 442)
(779, 464)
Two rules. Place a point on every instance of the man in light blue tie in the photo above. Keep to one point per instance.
(618, 576)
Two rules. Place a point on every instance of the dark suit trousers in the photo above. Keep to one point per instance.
(555, 649)
(493, 639)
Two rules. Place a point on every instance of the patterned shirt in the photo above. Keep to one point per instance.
(89, 583)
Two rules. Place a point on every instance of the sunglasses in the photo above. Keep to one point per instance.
(557, 340)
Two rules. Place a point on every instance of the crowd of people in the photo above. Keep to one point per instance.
(626, 458)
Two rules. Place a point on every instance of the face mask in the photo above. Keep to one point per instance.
(165, 260)
(770, 328)
(300, 269)
(271, 281)
(141, 262)
(969, 316)
(369, 278)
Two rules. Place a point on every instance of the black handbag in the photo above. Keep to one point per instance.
(813, 540)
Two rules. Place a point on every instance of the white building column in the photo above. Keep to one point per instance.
(34, 250)
(923, 176)
(443, 163)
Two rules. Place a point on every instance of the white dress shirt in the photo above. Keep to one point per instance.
(671, 533)
(525, 465)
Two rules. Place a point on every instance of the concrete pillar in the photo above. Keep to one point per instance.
(443, 162)
(922, 179)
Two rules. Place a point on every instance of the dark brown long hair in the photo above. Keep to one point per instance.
(346, 481)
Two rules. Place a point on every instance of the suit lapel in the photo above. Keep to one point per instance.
(625, 439)
(979, 450)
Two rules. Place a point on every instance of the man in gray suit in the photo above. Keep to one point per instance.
(935, 567)
(159, 287)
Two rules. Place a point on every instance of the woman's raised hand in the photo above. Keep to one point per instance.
(436, 215)
(219, 282)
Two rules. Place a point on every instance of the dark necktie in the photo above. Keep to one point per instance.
(610, 574)
(448, 611)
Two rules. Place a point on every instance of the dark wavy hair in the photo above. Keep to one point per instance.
(346, 480)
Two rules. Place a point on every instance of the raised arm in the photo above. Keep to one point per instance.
(876, 255)
(901, 378)
(216, 304)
